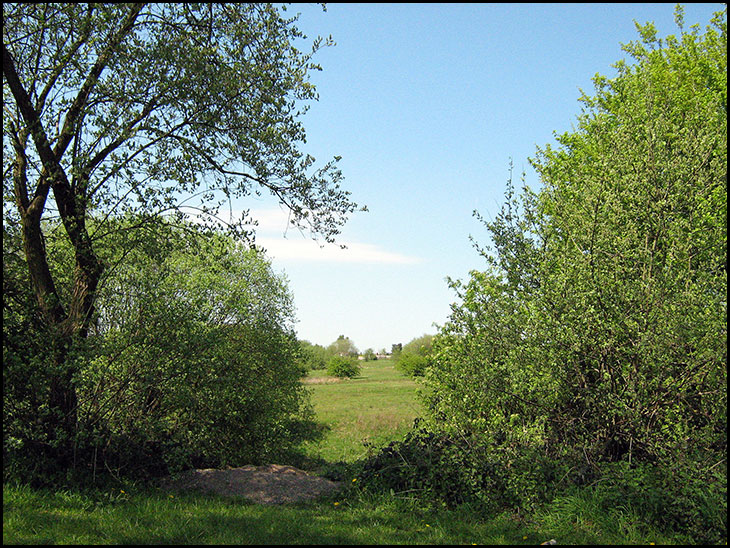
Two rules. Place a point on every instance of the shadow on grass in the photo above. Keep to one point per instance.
(190, 522)
(156, 519)
(303, 431)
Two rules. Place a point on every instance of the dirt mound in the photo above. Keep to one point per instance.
(270, 484)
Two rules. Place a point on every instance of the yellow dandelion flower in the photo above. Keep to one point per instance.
(354, 480)
(337, 503)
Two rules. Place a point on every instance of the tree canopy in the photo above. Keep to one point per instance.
(343, 346)
(149, 108)
(147, 111)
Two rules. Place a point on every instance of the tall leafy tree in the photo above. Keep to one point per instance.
(634, 227)
(597, 337)
(116, 108)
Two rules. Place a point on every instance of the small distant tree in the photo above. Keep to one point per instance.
(369, 355)
(343, 367)
(343, 346)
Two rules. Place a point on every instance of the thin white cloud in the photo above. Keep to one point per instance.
(269, 221)
(284, 242)
(298, 249)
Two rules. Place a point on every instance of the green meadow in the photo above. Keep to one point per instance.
(373, 408)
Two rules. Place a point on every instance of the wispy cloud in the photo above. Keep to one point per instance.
(297, 249)
(286, 243)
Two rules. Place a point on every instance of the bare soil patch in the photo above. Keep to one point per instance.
(269, 484)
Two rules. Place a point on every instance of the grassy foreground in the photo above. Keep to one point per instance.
(31, 517)
(145, 517)
(378, 406)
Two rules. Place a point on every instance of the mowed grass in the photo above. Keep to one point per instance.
(374, 408)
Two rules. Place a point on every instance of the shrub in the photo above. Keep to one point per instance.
(343, 367)
(199, 359)
(596, 336)
(598, 330)
(415, 357)
(451, 470)
(412, 364)
(193, 362)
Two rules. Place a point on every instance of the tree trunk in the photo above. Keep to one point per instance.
(64, 324)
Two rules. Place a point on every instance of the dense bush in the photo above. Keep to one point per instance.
(450, 470)
(415, 357)
(412, 364)
(343, 367)
(596, 337)
(599, 331)
(192, 362)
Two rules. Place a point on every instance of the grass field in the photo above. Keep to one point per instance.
(377, 406)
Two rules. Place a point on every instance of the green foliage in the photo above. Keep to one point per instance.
(27, 369)
(343, 367)
(192, 362)
(412, 364)
(455, 471)
(204, 351)
(597, 335)
(236, 93)
(343, 346)
(142, 112)
(415, 357)
(312, 356)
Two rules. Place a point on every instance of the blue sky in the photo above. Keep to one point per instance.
(427, 104)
